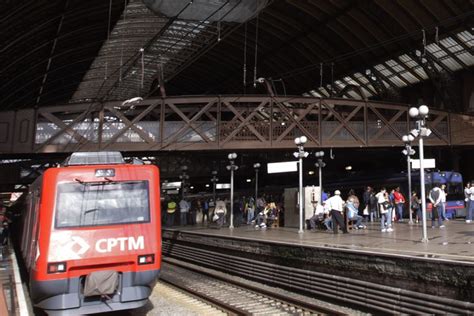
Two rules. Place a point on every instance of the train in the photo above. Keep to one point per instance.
(91, 235)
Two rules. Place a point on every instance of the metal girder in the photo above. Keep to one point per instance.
(213, 123)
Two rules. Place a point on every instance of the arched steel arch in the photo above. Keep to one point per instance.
(221, 122)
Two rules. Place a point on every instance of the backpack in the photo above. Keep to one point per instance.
(372, 200)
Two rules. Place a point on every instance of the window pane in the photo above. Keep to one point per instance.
(102, 203)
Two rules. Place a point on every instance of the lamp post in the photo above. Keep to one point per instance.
(408, 151)
(214, 180)
(256, 166)
(300, 141)
(420, 115)
(320, 164)
(232, 167)
(183, 178)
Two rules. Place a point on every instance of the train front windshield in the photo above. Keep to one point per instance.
(102, 203)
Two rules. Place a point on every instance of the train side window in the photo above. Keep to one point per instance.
(102, 203)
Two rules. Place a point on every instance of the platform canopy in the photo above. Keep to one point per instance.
(67, 51)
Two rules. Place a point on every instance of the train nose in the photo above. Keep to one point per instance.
(103, 283)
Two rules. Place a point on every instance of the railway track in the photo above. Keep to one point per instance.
(233, 296)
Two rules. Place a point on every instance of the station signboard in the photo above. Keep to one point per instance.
(427, 163)
(281, 167)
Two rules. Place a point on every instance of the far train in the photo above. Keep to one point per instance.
(91, 238)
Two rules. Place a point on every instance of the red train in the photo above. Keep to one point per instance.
(91, 238)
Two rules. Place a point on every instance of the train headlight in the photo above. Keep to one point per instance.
(105, 172)
(57, 267)
(146, 259)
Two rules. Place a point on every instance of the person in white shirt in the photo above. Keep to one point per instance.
(183, 210)
(469, 192)
(443, 202)
(385, 208)
(318, 216)
(435, 198)
(336, 206)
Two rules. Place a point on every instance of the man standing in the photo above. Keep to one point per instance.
(399, 200)
(183, 210)
(443, 202)
(436, 210)
(336, 205)
(170, 209)
(469, 193)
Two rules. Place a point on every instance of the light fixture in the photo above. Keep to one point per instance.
(207, 185)
(311, 172)
(348, 168)
(249, 180)
(232, 156)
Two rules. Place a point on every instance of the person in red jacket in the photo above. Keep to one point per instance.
(399, 200)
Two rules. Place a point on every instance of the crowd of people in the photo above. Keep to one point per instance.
(333, 213)
(247, 211)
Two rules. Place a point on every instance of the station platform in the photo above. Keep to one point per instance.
(454, 243)
(12, 298)
(365, 263)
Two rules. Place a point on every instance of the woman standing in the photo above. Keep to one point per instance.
(415, 206)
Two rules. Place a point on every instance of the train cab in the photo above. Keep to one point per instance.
(92, 235)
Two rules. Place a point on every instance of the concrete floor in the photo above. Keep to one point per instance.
(453, 243)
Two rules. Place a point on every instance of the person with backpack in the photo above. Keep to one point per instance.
(373, 206)
(385, 207)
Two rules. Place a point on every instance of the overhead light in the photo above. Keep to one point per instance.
(348, 168)
(249, 180)
(191, 187)
(311, 172)
(207, 185)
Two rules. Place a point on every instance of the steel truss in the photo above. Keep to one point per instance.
(221, 122)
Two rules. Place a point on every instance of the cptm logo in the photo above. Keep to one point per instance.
(122, 243)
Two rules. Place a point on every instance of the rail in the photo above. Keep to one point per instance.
(350, 291)
(249, 299)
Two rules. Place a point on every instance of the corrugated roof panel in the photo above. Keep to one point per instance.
(409, 77)
(451, 63)
(386, 73)
(350, 81)
(361, 78)
(354, 95)
(455, 48)
(436, 51)
(339, 84)
(420, 72)
(370, 86)
(405, 58)
(315, 94)
(466, 58)
(448, 42)
(366, 92)
(380, 67)
(466, 37)
(391, 63)
(395, 66)
(398, 82)
(323, 92)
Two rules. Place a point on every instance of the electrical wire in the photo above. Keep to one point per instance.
(357, 52)
(256, 53)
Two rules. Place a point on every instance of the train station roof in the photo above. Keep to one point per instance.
(66, 51)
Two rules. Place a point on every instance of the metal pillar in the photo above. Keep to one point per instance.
(422, 185)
